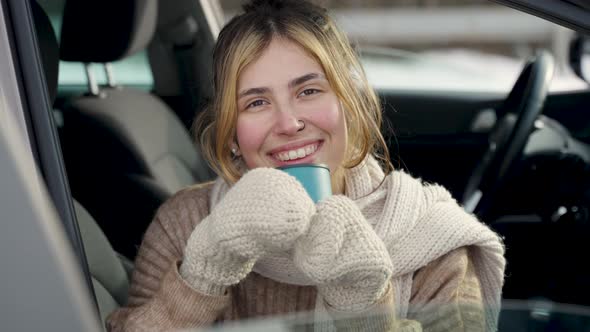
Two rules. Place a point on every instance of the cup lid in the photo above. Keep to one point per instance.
(305, 165)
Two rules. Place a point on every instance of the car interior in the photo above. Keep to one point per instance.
(126, 150)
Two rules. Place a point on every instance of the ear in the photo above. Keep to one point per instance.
(235, 149)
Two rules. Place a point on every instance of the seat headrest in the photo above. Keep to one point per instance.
(103, 31)
(48, 47)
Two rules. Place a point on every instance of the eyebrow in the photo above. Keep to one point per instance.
(253, 91)
(295, 82)
(305, 78)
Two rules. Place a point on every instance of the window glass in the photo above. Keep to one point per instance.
(131, 71)
(446, 45)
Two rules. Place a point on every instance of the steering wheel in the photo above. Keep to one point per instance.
(516, 119)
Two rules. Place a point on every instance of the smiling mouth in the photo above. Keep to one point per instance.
(298, 153)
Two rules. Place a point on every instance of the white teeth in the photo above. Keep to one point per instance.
(301, 153)
(296, 154)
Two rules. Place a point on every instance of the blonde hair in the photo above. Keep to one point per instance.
(244, 39)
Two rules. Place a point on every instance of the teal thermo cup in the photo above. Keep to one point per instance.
(314, 177)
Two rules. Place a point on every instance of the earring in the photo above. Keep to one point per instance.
(235, 152)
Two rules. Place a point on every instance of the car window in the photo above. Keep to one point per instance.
(131, 71)
(447, 45)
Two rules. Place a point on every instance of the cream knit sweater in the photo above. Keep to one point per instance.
(448, 265)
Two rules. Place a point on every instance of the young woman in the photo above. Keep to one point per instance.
(384, 253)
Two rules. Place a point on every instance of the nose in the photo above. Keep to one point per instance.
(287, 122)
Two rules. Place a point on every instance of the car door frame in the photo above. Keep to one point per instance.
(41, 130)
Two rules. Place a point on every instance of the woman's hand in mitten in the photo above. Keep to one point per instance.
(265, 211)
(344, 256)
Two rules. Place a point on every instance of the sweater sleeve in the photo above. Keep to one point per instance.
(446, 295)
(159, 299)
(380, 317)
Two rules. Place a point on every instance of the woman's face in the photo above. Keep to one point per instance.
(278, 93)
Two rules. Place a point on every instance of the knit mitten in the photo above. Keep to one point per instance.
(265, 211)
(344, 256)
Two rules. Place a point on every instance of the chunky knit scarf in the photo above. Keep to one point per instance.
(418, 223)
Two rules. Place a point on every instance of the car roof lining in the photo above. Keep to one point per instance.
(581, 3)
(573, 14)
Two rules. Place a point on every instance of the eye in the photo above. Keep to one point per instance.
(256, 103)
(308, 92)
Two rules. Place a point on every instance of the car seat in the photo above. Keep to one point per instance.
(125, 150)
(110, 271)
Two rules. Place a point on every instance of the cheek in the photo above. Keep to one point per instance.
(250, 137)
(330, 119)
(248, 134)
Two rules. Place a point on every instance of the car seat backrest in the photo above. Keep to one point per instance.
(110, 272)
(105, 265)
(131, 132)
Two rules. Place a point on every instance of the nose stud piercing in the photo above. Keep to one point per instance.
(302, 125)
